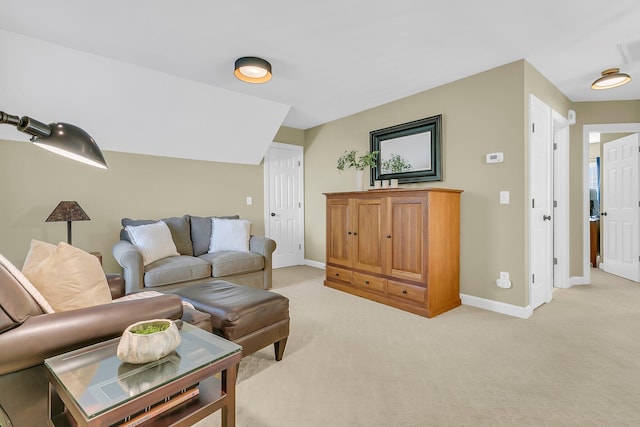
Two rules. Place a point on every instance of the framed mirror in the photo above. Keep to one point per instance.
(410, 152)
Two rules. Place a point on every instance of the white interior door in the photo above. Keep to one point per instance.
(540, 220)
(284, 220)
(620, 214)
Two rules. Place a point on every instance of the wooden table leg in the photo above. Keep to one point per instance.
(229, 387)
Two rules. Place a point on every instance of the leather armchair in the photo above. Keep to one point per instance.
(28, 336)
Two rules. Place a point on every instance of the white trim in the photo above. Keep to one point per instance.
(561, 195)
(578, 280)
(586, 129)
(316, 264)
(497, 306)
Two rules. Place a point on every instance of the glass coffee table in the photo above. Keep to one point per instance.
(92, 387)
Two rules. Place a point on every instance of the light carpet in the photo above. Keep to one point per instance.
(353, 362)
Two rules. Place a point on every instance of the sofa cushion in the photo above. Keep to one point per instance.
(176, 269)
(228, 263)
(69, 278)
(201, 232)
(153, 241)
(178, 225)
(230, 235)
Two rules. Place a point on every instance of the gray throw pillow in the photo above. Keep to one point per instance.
(179, 227)
(201, 232)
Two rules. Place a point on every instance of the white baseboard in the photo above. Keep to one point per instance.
(496, 306)
(578, 280)
(315, 264)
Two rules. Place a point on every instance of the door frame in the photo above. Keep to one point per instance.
(586, 129)
(560, 130)
(267, 193)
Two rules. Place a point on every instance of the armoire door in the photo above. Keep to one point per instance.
(407, 225)
(339, 232)
(368, 234)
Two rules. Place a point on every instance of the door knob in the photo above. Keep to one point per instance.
(273, 214)
(545, 217)
(603, 214)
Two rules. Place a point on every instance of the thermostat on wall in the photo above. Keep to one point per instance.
(495, 158)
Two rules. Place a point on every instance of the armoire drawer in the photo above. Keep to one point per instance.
(404, 290)
(370, 282)
(337, 273)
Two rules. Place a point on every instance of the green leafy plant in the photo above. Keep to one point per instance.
(350, 159)
(395, 164)
(150, 328)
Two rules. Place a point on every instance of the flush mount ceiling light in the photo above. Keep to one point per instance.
(611, 78)
(252, 70)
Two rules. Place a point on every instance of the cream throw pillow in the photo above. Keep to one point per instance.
(229, 235)
(27, 285)
(69, 278)
(153, 241)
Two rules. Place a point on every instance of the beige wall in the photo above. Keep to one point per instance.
(33, 181)
(482, 114)
(287, 135)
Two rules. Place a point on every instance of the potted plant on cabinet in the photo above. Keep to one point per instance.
(350, 159)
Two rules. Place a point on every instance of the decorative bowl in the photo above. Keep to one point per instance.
(139, 344)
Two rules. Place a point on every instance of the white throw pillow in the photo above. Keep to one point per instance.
(27, 285)
(154, 241)
(229, 235)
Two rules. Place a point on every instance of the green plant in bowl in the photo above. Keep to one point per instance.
(150, 328)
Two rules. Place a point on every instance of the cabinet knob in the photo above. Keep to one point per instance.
(355, 233)
(388, 236)
(349, 232)
(366, 282)
(404, 291)
(337, 274)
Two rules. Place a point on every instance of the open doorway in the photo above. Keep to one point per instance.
(594, 138)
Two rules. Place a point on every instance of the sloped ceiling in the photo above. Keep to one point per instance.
(155, 76)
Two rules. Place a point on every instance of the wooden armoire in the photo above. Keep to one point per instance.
(399, 247)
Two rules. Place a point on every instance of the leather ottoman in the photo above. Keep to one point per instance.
(253, 318)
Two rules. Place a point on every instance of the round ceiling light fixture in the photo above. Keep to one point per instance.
(252, 70)
(611, 78)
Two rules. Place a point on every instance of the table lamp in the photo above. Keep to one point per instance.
(68, 211)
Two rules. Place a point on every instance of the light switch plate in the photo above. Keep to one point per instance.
(504, 197)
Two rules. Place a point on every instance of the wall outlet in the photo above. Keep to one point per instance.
(504, 282)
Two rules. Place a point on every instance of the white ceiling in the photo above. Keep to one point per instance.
(333, 58)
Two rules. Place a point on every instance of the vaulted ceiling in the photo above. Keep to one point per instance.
(156, 76)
